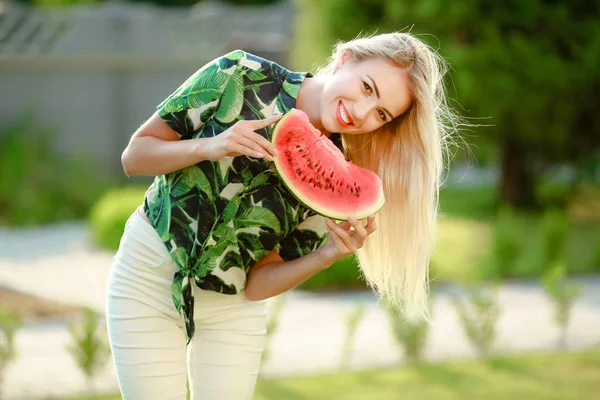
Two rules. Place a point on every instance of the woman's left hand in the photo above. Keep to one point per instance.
(346, 238)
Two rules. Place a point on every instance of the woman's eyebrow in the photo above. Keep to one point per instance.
(377, 94)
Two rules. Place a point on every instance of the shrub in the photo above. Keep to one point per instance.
(554, 235)
(410, 335)
(109, 215)
(38, 184)
(352, 319)
(563, 295)
(9, 324)
(478, 314)
(595, 261)
(342, 275)
(507, 242)
(89, 348)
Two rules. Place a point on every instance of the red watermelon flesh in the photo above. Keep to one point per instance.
(317, 173)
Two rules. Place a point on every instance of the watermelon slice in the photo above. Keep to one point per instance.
(317, 173)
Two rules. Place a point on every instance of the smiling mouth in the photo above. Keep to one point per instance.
(344, 116)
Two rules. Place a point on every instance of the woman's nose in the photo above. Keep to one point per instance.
(362, 109)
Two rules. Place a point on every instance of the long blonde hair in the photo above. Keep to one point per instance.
(408, 154)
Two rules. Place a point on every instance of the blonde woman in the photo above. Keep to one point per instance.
(218, 233)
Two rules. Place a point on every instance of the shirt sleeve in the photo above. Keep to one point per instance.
(202, 95)
(309, 235)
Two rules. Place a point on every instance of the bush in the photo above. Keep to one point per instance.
(342, 275)
(352, 319)
(554, 235)
(109, 215)
(478, 313)
(563, 294)
(89, 347)
(507, 242)
(38, 184)
(9, 324)
(410, 335)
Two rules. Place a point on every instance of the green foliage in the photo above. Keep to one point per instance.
(479, 203)
(505, 59)
(410, 334)
(89, 348)
(554, 236)
(342, 275)
(563, 295)
(9, 324)
(596, 255)
(109, 215)
(478, 313)
(40, 185)
(352, 319)
(507, 242)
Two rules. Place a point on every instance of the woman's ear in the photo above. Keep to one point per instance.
(344, 57)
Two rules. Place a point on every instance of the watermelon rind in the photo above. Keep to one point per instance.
(319, 208)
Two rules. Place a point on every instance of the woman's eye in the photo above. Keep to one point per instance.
(367, 87)
(382, 115)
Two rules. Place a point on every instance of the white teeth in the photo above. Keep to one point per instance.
(343, 114)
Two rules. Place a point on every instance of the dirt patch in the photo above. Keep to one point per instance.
(29, 307)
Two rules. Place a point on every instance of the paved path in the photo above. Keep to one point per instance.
(58, 263)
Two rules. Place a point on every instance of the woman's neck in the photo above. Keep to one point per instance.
(309, 100)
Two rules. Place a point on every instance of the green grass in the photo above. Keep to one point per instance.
(531, 377)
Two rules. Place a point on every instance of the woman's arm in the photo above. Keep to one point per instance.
(272, 276)
(155, 148)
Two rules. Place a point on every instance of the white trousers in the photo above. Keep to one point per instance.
(147, 335)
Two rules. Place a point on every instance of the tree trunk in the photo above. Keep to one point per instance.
(517, 181)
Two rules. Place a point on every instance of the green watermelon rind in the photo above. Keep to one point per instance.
(316, 207)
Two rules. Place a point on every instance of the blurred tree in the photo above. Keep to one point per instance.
(531, 67)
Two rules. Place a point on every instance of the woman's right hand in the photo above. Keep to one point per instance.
(241, 139)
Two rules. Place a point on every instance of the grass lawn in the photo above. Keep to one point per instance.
(559, 376)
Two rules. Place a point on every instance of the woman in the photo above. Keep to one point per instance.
(219, 233)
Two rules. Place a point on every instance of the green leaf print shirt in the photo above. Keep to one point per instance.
(218, 218)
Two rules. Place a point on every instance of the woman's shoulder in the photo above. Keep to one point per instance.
(253, 64)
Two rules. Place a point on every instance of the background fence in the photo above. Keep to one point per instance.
(94, 73)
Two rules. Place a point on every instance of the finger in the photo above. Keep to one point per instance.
(371, 224)
(338, 241)
(242, 140)
(263, 123)
(261, 141)
(358, 228)
(343, 234)
(247, 151)
(345, 225)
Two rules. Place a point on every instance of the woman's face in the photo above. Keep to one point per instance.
(361, 96)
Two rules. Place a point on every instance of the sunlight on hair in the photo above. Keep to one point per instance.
(409, 154)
